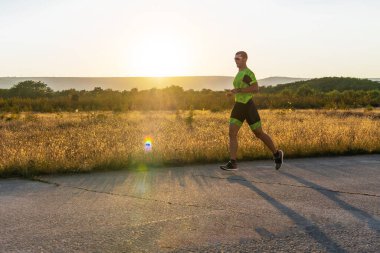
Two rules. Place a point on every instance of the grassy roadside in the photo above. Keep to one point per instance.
(49, 143)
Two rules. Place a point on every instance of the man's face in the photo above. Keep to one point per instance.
(240, 60)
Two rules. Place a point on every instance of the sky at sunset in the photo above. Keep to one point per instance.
(99, 38)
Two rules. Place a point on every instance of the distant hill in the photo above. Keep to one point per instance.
(142, 83)
(326, 84)
(275, 80)
(127, 83)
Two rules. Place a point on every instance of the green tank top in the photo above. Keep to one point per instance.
(243, 79)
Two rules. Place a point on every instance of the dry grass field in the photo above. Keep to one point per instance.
(85, 141)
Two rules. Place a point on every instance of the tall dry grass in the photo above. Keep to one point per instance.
(62, 142)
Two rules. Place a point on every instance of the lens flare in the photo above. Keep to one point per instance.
(148, 144)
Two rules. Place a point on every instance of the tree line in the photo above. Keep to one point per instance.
(315, 93)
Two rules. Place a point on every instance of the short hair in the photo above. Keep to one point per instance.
(242, 53)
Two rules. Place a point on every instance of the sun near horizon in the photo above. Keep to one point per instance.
(170, 38)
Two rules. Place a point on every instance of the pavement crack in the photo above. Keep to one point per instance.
(37, 179)
(293, 185)
(125, 195)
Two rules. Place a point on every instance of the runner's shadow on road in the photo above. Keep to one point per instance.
(358, 213)
(308, 226)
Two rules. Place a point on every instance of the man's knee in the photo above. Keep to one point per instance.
(232, 133)
(258, 133)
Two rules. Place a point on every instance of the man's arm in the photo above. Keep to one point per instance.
(254, 88)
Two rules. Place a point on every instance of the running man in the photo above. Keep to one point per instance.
(245, 85)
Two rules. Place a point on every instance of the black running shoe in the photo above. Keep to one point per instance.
(229, 166)
(278, 159)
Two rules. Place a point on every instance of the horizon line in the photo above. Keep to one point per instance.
(175, 77)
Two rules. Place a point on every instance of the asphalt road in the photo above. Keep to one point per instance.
(311, 205)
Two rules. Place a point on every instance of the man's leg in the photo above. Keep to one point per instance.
(254, 122)
(233, 132)
(236, 121)
(264, 137)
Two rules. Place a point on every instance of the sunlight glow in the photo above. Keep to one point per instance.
(159, 54)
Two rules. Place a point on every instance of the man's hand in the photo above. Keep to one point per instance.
(228, 92)
(255, 87)
(234, 91)
(251, 89)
